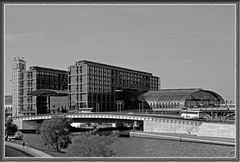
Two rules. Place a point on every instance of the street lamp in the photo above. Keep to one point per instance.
(139, 105)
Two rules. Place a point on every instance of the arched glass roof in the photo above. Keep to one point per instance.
(178, 95)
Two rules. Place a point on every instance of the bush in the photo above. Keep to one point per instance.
(91, 145)
(56, 133)
(10, 128)
(18, 135)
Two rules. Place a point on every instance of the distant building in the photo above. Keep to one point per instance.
(8, 106)
(102, 87)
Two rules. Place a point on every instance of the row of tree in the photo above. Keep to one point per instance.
(56, 134)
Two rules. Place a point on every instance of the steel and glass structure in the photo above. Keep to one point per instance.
(102, 87)
(18, 67)
(8, 105)
(37, 78)
(177, 99)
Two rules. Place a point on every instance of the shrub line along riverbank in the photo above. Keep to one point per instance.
(182, 138)
(35, 142)
(29, 150)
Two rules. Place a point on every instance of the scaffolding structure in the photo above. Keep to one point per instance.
(18, 66)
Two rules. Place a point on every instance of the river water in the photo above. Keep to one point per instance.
(141, 147)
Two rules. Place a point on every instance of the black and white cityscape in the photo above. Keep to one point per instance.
(130, 81)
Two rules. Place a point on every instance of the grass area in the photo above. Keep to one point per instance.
(35, 141)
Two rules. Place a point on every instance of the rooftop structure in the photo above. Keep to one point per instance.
(48, 92)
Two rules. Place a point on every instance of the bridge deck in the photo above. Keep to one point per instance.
(119, 116)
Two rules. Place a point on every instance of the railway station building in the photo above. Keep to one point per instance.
(36, 79)
(98, 87)
(103, 88)
(167, 100)
(86, 85)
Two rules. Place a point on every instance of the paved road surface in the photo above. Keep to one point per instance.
(11, 152)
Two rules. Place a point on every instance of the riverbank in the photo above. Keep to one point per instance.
(28, 150)
(184, 138)
(147, 147)
(35, 141)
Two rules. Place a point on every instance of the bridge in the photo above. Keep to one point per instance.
(101, 115)
(34, 122)
(148, 122)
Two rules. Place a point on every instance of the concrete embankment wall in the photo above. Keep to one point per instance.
(176, 138)
(190, 127)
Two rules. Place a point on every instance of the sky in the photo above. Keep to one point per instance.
(187, 46)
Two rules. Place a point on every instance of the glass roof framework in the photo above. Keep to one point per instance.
(48, 92)
(181, 97)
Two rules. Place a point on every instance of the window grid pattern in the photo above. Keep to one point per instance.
(93, 84)
(40, 78)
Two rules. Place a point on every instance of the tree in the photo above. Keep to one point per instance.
(10, 128)
(91, 145)
(56, 133)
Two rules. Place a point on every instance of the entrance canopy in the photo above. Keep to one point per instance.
(48, 92)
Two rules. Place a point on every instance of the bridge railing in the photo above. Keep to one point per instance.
(133, 114)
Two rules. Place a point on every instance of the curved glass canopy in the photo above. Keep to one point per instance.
(48, 92)
(180, 98)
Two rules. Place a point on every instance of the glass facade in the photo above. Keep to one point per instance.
(40, 78)
(181, 98)
(29, 85)
(99, 86)
(91, 85)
